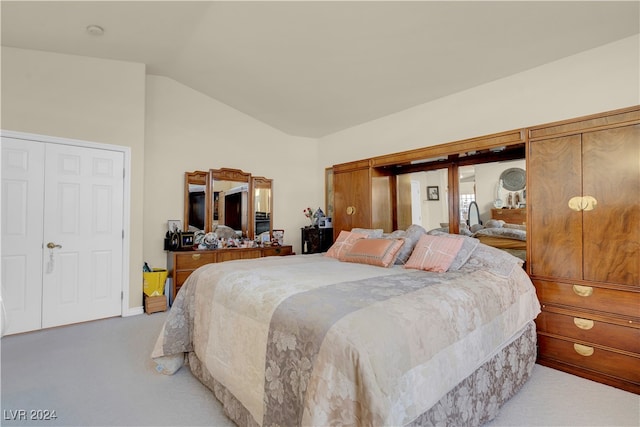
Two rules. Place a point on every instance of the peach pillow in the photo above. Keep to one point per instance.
(380, 252)
(343, 243)
(434, 253)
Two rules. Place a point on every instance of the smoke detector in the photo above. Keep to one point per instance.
(95, 30)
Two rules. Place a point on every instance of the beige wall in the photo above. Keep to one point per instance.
(594, 81)
(87, 99)
(188, 131)
(172, 129)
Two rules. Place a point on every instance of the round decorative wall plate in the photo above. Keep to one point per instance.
(514, 179)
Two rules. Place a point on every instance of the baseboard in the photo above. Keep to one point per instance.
(133, 311)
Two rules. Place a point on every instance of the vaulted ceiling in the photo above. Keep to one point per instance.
(310, 68)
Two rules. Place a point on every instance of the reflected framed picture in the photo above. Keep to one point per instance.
(433, 192)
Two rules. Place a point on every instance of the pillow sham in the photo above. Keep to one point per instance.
(434, 253)
(411, 237)
(374, 233)
(468, 246)
(380, 252)
(343, 243)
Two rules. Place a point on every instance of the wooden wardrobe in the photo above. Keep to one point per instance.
(583, 231)
(362, 197)
(583, 188)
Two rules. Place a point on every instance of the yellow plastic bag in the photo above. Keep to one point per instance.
(154, 282)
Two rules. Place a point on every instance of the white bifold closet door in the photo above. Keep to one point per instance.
(62, 234)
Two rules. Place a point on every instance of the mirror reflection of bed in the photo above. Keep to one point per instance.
(491, 204)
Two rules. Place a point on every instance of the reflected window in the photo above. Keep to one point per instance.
(465, 201)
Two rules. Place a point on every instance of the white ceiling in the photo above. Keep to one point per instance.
(313, 68)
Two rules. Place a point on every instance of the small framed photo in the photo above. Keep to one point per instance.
(174, 225)
(433, 192)
(187, 239)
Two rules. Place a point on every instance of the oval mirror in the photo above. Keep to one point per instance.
(474, 214)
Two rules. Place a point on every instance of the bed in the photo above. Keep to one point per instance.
(313, 340)
(511, 238)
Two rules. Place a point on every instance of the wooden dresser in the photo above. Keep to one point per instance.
(584, 245)
(510, 216)
(182, 263)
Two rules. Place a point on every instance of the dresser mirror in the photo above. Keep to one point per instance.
(228, 197)
(197, 213)
(230, 201)
(262, 203)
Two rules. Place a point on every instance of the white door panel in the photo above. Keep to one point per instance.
(416, 203)
(22, 213)
(84, 215)
(71, 196)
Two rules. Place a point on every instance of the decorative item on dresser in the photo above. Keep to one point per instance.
(584, 201)
(316, 240)
(182, 264)
(510, 216)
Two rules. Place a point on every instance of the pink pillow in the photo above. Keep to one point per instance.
(434, 253)
(380, 252)
(343, 243)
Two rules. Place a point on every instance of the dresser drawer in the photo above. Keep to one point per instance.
(612, 363)
(181, 277)
(234, 254)
(193, 260)
(277, 251)
(510, 216)
(593, 331)
(589, 297)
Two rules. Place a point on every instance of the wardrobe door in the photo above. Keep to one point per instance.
(554, 179)
(83, 221)
(62, 234)
(352, 200)
(611, 176)
(22, 218)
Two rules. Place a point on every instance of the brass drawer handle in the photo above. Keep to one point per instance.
(195, 257)
(583, 350)
(583, 291)
(351, 210)
(585, 324)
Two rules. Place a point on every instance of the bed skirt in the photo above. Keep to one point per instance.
(473, 402)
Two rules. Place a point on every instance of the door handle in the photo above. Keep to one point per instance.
(52, 245)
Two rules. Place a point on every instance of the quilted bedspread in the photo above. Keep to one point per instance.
(310, 340)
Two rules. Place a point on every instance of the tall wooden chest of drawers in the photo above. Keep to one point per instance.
(583, 198)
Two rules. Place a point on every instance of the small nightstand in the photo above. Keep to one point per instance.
(316, 240)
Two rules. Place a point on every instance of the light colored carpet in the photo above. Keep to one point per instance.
(100, 374)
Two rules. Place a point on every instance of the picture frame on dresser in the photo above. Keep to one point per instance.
(187, 240)
(174, 225)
